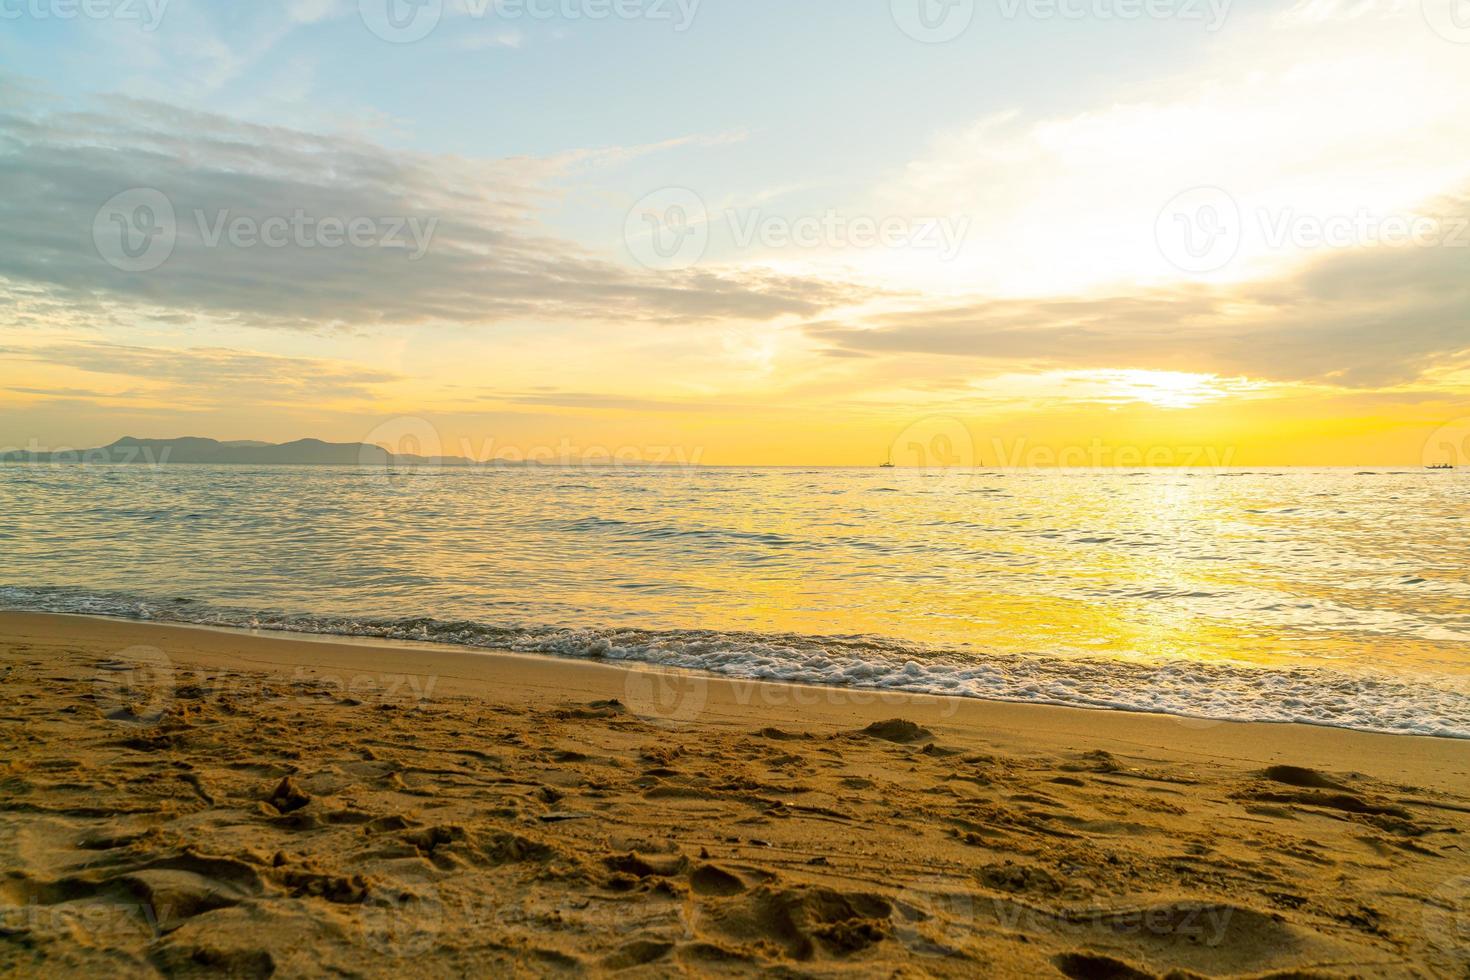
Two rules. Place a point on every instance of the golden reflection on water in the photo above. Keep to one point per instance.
(1267, 568)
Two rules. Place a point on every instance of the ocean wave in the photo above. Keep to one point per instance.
(1364, 700)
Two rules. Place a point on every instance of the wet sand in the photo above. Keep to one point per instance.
(183, 801)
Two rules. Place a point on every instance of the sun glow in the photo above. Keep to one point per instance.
(1161, 389)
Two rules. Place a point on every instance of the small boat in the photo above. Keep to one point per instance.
(1441, 466)
(888, 465)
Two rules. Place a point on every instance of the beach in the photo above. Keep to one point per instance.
(191, 801)
(901, 489)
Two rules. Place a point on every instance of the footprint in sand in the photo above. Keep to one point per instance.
(1301, 777)
(802, 921)
(1095, 966)
(184, 959)
(897, 730)
(709, 879)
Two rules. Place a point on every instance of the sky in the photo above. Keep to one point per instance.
(942, 232)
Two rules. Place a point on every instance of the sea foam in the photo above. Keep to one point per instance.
(1208, 691)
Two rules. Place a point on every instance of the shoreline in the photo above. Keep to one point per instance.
(1091, 701)
(180, 798)
(460, 670)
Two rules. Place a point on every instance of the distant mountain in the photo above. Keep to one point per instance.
(302, 452)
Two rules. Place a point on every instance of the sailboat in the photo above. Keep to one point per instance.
(888, 464)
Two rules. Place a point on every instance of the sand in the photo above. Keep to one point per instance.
(189, 802)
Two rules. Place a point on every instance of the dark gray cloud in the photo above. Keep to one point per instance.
(1361, 319)
(485, 259)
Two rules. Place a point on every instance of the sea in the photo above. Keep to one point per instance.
(1335, 597)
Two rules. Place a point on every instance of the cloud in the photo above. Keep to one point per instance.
(1365, 318)
(207, 375)
(84, 393)
(452, 240)
(597, 400)
(313, 11)
(1370, 112)
(499, 39)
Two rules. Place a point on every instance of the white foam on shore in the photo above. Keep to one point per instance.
(1367, 701)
